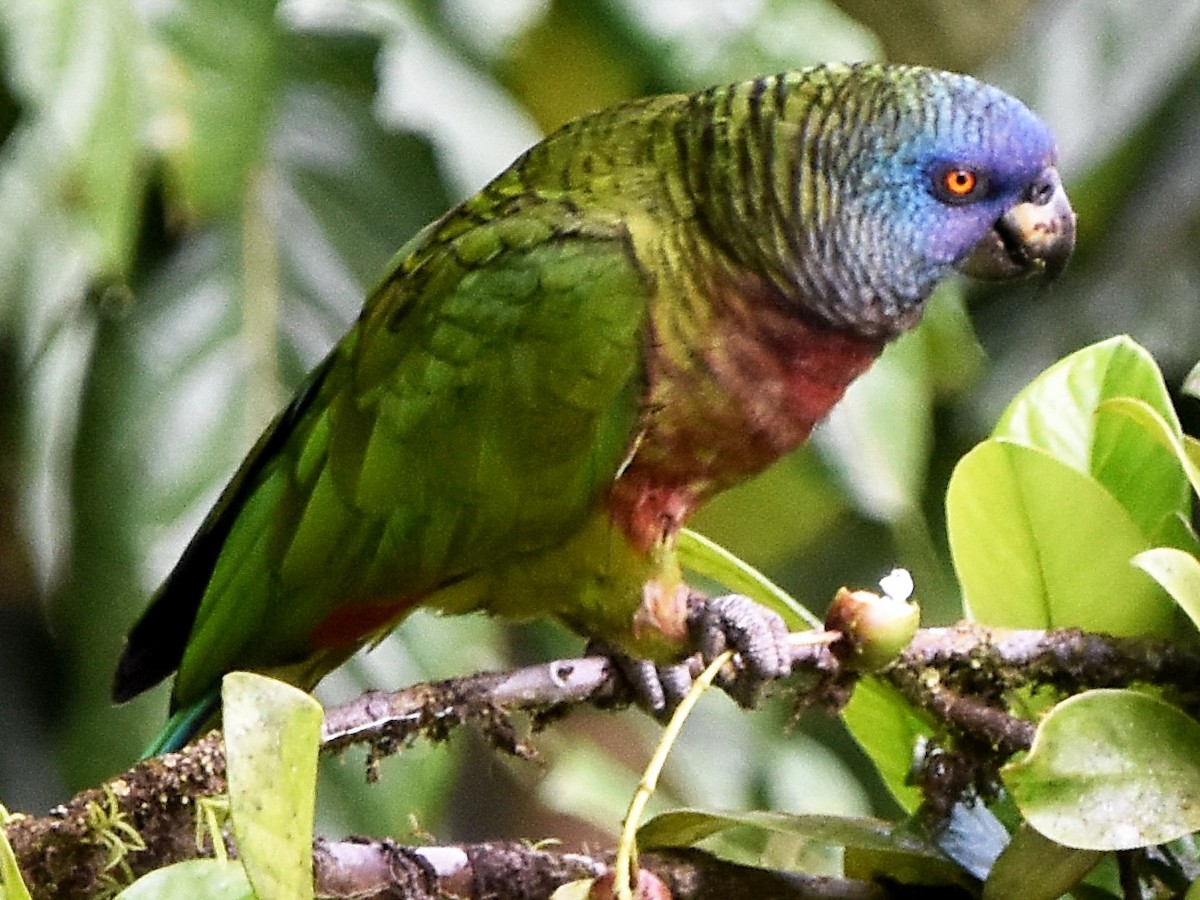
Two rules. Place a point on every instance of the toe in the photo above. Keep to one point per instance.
(757, 635)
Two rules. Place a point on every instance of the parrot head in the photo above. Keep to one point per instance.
(941, 172)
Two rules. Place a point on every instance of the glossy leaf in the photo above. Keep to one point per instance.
(888, 729)
(704, 557)
(1037, 544)
(1163, 431)
(1058, 868)
(1178, 573)
(12, 885)
(1158, 487)
(272, 734)
(1110, 770)
(687, 827)
(1137, 457)
(925, 871)
(195, 879)
(1055, 411)
(872, 846)
(1060, 412)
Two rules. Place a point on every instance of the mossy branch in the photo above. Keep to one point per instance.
(145, 818)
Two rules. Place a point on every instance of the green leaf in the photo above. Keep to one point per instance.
(779, 516)
(1191, 383)
(1055, 411)
(954, 352)
(872, 846)
(1166, 434)
(1058, 868)
(1151, 482)
(272, 733)
(1110, 770)
(219, 77)
(872, 865)
(160, 430)
(709, 559)
(195, 879)
(1178, 573)
(12, 885)
(109, 186)
(888, 729)
(1063, 413)
(1036, 544)
(574, 890)
(687, 827)
(78, 67)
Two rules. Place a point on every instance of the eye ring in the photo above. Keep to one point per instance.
(959, 184)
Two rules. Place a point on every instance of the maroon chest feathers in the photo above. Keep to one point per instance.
(731, 390)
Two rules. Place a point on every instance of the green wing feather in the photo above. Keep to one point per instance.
(477, 411)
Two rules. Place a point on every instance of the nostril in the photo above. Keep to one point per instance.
(1043, 188)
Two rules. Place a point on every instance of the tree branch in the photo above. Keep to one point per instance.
(960, 675)
(1067, 659)
(504, 870)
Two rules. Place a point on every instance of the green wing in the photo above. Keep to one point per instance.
(477, 411)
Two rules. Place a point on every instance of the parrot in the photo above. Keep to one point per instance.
(648, 307)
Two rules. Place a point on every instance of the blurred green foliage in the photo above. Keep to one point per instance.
(194, 199)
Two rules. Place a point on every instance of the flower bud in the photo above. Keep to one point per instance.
(875, 628)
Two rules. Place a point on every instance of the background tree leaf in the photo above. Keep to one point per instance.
(217, 68)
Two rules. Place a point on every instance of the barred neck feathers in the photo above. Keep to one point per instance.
(778, 173)
(781, 168)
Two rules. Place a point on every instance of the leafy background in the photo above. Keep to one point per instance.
(194, 198)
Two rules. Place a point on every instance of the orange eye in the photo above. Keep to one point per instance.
(959, 182)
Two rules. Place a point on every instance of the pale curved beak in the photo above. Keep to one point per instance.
(1035, 237)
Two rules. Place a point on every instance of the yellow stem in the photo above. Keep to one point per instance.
(627, 845)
